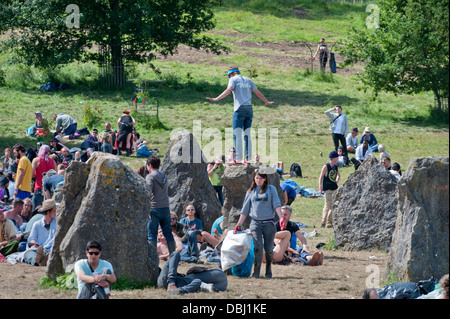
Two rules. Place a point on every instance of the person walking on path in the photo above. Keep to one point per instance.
(261, 203)
(242, 89)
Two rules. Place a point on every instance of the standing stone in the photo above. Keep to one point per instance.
(188, 182)
(106, 201)
(236, 181)
(365, 208)
(420, 245)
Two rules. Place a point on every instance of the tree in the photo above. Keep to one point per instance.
(406, 51)
(47, 33)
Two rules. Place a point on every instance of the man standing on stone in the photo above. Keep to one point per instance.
(242, 89)
(159, 205)
(328, 180)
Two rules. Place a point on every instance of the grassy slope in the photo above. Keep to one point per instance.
(402, 123)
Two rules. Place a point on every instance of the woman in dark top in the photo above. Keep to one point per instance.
(322, 49)
(126, 124)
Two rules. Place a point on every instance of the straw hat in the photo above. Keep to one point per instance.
(47, 205)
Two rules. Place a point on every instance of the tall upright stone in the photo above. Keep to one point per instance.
(106, 201)
(365, 208)
(188, 182)
(420, 244)
(236, 181)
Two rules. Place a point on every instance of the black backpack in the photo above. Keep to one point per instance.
(296, 170)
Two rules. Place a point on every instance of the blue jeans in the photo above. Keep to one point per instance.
(70, 130)
(242, 123)
(191, 252)
(143, 151)
(159, 216)
(192, 282)
(38, 198)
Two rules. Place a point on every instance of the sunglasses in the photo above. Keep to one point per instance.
(96, 253)
(173, 218)
(190, 209)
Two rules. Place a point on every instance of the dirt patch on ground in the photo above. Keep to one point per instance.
(286, 54)
(343, 275)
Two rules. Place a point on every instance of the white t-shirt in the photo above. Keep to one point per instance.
(242, 90)
(83, 265)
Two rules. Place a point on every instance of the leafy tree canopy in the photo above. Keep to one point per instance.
(405, 47)
(45, 33)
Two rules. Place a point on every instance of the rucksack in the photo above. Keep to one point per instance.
(296, 170)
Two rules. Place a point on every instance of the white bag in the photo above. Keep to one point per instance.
(235, 248)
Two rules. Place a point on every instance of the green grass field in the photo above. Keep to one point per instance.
(404, 123)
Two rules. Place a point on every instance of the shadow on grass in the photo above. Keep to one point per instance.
(27, 141)
(197, 91)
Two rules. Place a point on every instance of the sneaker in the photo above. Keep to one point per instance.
(206, 287)
(172, 289)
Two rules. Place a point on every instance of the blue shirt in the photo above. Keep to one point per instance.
(195, 224)
(372, 139)
(40, 234)
(289, 190)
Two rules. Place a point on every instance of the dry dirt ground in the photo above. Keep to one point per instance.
(343, 275)
(280, 55)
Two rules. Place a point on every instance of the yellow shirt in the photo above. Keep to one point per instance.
(25, 164)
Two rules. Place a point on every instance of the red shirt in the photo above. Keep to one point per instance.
(42, 168)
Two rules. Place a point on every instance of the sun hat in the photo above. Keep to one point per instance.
(367, 129)
(47, 205)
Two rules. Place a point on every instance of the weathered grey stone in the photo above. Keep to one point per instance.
(420, 244)
(188, 182)
(106, 201)
(236, 181)
(365, 208)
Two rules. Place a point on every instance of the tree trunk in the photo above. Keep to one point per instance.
(437, 97)
(118, 69)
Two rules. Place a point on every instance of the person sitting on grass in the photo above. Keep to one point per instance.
(94, 275)
(373, 143)
(288, 242)
(194, 229)
(105, 146)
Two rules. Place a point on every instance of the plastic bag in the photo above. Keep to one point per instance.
(407, 290)
(245, 268)
(235, 248)
(403, 290)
